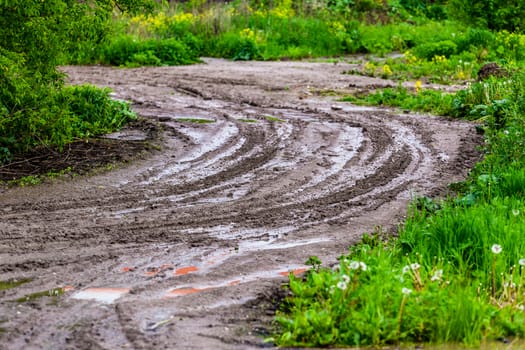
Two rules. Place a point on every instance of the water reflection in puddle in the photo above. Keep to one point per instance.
(103, 295)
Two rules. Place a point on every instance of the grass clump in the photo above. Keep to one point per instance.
(274, 119)
(13, 283)
(196, 120)
(431, 101)
(56, 292)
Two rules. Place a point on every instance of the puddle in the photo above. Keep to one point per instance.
(296, 270)
(103, 295)
(184, 291)
(186, 270)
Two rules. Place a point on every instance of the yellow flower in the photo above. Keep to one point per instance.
(387, 70)
(247, 33)
(369, 68)
(418, 86)
(439, 59)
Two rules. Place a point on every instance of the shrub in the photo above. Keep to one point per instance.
(442, 48)
(59, 116)
(130, 51)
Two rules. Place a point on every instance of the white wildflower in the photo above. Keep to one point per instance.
(345, 278)
(363, 266)
(522, 262)
(406, 269)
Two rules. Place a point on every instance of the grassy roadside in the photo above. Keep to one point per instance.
(456, 273)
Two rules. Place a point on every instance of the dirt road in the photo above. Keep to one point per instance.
(260, 168)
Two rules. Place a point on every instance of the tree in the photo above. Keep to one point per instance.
(33, 37)
(491, 14)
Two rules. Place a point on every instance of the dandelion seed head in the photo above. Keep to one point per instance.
(345, 278)
(406, 291)
(515, 212)
(496, 249)
(521, 262)
(437, 276)
(406, 269)
(363, 266)
(415, 266)
(342, 285)
(354, 265)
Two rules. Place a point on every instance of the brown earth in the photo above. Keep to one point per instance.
(188, 247)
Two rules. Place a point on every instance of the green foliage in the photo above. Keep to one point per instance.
(442, 48)
(432, 101)
(491, 14)
(34, 37)
(61, 116)
(131, 52)
(94, 110)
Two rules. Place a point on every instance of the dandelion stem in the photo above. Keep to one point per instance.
(494, 278)
(401, 309)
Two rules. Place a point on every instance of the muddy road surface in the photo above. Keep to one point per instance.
(260, 167)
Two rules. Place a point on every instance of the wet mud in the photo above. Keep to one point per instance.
(187, 247)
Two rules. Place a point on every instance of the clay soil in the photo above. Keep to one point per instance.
(187, 246)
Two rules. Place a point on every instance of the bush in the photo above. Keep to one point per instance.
(95, 112)
(58, 116)
(475, 38)
(442, 48)
(130, 51)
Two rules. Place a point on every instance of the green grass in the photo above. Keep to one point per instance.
(431, 101)
(46, 293)
(274, 119)
(247, 120)
(13, 283)
(196, 120)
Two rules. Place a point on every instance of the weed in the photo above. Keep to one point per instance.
(432, 101)
(196, 120)
(47, 293)
(13, 283)
(274, 119)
